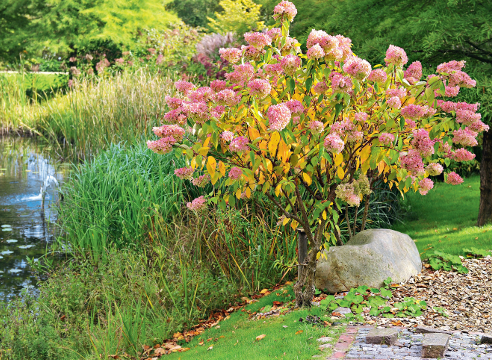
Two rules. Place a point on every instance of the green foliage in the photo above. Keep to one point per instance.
(238, 16)
(477, 253)
(376, 300)
(447, 262)
(74, 25)
(194, 12)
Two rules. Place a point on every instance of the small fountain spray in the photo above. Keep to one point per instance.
(47, 183)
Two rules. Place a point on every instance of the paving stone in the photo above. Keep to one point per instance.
(325, 346)
(325, 339)
(434, 345)
(429, 330)
(486, 339)
(386, 336)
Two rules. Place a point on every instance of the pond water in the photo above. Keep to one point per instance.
(27, 223)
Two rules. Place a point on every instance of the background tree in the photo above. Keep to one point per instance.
(195, 12)
(432, 32)
(238, 16)
(64, 26)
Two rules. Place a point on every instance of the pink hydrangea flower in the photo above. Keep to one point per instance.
(217, 111)
(378, 76)
(462, 79)
(185, 173)
(413, 111)
(176, 116)
(162, 146)
(412, 162)
(232, 55)
(315, 52)
(184, 86)
(177, 132)
(357, 67)
(334, 143)
(235, 173)
(251, 53)
(257, 39)
(451, 91)
(361, 117)
(274, 33)
(238, 144)
(346, 192)
(316, 127)
(285, 10)
(260, 88)
(394, 102)
(241, 74)
(344, 45)
(278, 116)
(465, 137)
(386, 138)
(227, 97)
(295, 106)
(227, 135)
(340, 83)
(479, 126)
(354, 136)
(414, 72)
(451, 66)
(467, 117)
(173, 103)
(290, 64)
(425, 185)
(320, 87)
(197, 204)
(334, 54)
(396, 56)
(434, 169)
(422, 142)
(321, 38)
(199, 112)
(218, 85)
(273, 69)
(453, 179)
(202, 180)
(399, 92)
(202, 94)
(463, 155)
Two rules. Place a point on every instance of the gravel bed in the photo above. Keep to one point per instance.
(466, 298)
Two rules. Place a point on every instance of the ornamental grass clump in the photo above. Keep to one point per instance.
(307, 130)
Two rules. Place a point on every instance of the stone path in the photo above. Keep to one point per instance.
(353, 345)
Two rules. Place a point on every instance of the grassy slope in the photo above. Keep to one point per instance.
(445, 219)
(235, 338)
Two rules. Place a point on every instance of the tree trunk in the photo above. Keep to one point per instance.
(485, 209)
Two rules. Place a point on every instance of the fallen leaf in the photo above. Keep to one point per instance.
(278, 303)
(159, 351)
(263, 291)
(201, 343)
(259, 337)
(285, 326)
(113, 356)
(336, 314)
(299, 332)
(221, 336)
(288, 283)
(455, 229)
(210, 348)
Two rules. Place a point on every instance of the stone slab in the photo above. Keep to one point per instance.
(429, 330)
(325, 346)
(386, 336)
(434, 345)
(486, 339)
(325, 339)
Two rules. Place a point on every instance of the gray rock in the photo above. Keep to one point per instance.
(434, 345)
(429, 330)
(486, 339)
(325, 339)
(343, 310)
(368, 259)
(382, 336)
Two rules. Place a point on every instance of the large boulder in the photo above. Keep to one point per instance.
(369, 258)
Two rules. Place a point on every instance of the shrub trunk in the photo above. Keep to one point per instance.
(485, 209)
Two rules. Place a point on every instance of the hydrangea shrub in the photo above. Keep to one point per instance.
(307, 129)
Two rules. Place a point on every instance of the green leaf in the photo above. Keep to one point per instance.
(309, 83)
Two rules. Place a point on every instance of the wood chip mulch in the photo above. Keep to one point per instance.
(466, 298)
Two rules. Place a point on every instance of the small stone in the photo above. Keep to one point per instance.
(429, 330)
(325, 339)
(386, 336)
(434, 345)
(486, 339)
(325, 346)
(342, 310)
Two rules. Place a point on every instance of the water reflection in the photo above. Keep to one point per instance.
(25, 166)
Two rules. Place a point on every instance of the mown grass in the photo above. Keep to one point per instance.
(445, 219)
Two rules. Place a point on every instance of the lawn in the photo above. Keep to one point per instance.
(285, 336)
(445, 219)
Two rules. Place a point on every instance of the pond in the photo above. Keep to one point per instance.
(27, 223)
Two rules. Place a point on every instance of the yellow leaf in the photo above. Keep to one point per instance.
(365, 153)
(294, 224)
(338, 159)
(193, 163)
(277, 190)
(299, 332)
(266, 187)
(286, 220)
(214, 178)
(272, 144)
(340, 173)
(207, 141)
(248, 192)
(307, 179)
(318, 255)
(253, 133)
(222, 168)
(259, 337)
(324, 215)
(203, 151)
(263, 291)
(238, 193)
(211, 165)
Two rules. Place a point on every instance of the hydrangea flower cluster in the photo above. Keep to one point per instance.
(278, 116)
(198, 204)
(412, 161)
(239, 144)
(227, 135)
(462, 154)
(334, 143)
(257, 39)
(285, 10)
(260, 88)
(185, 173)
(316, 127)
(434, 169)
(201, 181)
(414, 72)
(290, 64)
(235, 173)
(422, 142)
(232, 55)
(396, 56)
(162, 146)
(425, 185)
(386, 138)
(357, 67)
(177, 132)
(453, 178)
(378, 76)
(465, 137)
